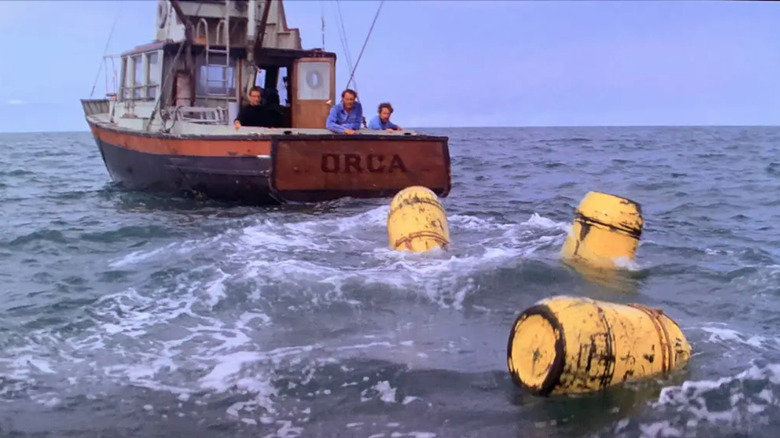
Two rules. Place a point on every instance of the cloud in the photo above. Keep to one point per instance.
(15, 102)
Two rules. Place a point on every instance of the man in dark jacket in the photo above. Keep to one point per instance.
(257, 114)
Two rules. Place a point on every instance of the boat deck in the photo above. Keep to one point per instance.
(193, 129)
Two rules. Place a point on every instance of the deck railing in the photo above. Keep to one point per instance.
(202, 115)
(95, 106)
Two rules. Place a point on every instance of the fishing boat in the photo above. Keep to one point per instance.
(168, 127)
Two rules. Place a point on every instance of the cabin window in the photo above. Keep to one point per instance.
(127, 78)
(152, 75)
(283, 86)
(141, 76)
(260, 78)
(216, 79)
(138, 66)
(313, 80)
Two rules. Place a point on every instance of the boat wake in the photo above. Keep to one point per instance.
(240, 315)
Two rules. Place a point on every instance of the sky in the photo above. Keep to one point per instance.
(450, 63)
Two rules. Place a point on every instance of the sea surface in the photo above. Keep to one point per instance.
(138, 315)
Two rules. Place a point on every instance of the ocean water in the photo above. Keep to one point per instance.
(130, 314)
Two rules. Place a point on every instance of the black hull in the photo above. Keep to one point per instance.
(242, 179)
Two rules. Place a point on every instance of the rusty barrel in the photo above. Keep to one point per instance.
(417, 221)
(566, 345)
(606, 228)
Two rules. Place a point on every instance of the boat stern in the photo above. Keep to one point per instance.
(327, 167)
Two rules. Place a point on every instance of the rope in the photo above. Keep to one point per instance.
(113, 68)
(351, 76)
(164, 85)
(105, 50)
(343, 37)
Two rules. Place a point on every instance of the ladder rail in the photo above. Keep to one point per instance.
(227, 47)
(221, 38)
(222, 42)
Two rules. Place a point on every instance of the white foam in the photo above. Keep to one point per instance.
(408, 399)
(229, 366)
(216, 290)
(626, 264)
(433, 269)
(689, 400)
(659, 429)
(728, 337)
(542, 222)
(182, 335)
(37, 364)
(381, 390)
(161, 253)
(287, 430)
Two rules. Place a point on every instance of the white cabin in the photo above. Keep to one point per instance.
(206, 56)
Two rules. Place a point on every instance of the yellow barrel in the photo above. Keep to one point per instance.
(614, 280)
(567, 345)
(605, 228)
(417, 221)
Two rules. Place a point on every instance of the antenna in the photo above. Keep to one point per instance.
(322, 18)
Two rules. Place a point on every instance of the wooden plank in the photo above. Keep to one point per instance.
(354, 166)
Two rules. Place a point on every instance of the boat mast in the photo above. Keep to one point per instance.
(255, 37)
(251, 30)
(188, 27)
(261, 35)
(189, 30)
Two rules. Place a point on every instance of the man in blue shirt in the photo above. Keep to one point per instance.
(346, 116)
(381, 122)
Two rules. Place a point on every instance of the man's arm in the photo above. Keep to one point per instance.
(358, 112)
(239, 121)
(332, 122)
(375, 124)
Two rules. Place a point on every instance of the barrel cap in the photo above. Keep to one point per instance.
(612, 210)
(536, 350)
(412, 192)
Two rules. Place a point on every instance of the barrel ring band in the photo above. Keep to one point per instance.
(636, 233)
(666, 345)
(406, 240)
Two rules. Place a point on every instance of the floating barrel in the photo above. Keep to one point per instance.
(575, 345)
(417, 221)
(605, 228)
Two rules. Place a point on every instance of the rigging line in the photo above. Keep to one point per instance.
(365, 42)
(343, 38)
(165, 85)
(345, 41)
(105, 50)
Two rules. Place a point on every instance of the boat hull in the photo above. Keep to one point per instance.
(237, 179)
(273, 169)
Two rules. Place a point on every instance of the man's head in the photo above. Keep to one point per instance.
(385, 110)
(255, 96)
(348, 96)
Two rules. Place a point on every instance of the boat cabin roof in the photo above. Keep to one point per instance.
(263, 55)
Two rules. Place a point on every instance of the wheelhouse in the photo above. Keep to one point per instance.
(207, 77)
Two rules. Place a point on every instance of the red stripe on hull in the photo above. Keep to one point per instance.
(168, 145)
